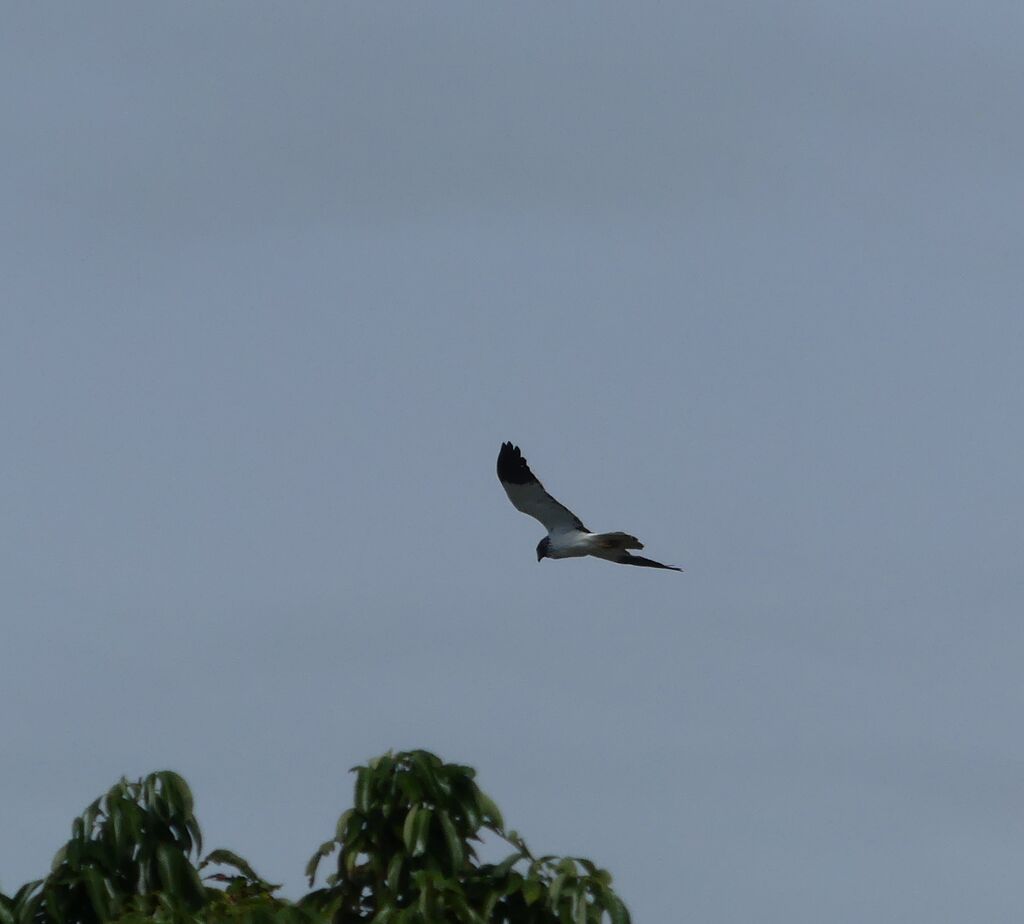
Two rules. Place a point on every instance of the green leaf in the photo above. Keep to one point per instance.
(424, 765)
(348, 860)
(410, 786)
(532, 890)
(119, 833)
(555, 890)
(489, 904)
(58, 858)
(53, 905)
(455, 850)
(409, 828)
(469, 809)
(176, 793)
(458, 902)
(489, 810)
(197, 838)
(363, 781)
(228, 858)
(505, 866)
(324, 850)
(580, 906)
(421, 831)
(395, 872)
(615, 908)
(343, 820)
(170, 868)
(96, 888)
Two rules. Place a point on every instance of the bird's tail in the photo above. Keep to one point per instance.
(626, 559)
(617, 541)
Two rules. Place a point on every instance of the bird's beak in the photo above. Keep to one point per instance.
(540, 555)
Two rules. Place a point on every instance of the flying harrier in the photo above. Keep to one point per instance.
(567, 537)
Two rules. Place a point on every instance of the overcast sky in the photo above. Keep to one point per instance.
(744, 279)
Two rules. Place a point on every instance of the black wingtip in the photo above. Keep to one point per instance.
(512, 467)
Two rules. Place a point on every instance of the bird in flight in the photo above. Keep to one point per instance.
(567, 537)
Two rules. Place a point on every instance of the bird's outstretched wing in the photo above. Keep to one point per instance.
(528, 495)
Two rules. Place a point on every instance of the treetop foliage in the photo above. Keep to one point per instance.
(403, 854)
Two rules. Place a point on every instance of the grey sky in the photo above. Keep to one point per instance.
(744, 279)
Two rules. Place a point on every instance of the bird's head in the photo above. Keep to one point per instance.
(542, 548)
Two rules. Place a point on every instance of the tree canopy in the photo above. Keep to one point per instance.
(405, 853)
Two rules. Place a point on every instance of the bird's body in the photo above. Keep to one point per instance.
(567, 536)
(576, 544)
